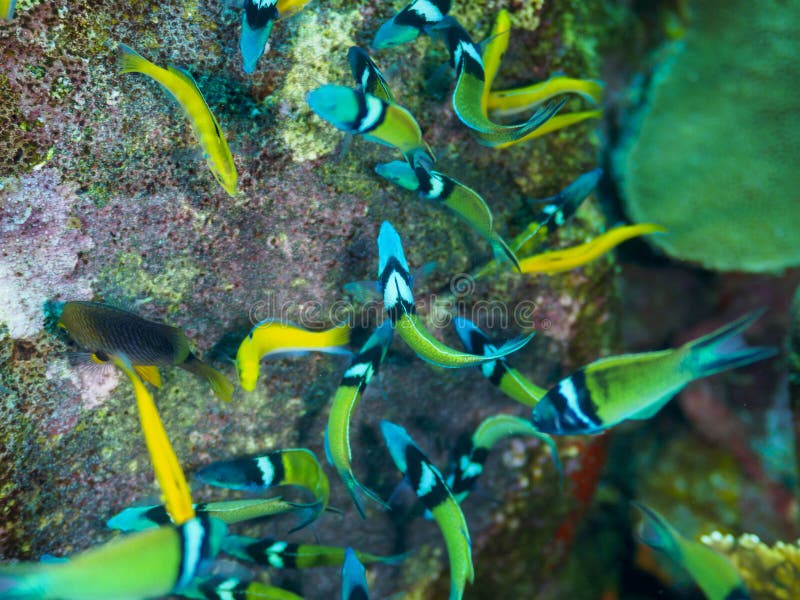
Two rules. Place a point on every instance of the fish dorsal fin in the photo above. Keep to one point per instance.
(149, 373)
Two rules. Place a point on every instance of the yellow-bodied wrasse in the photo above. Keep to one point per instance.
(183, 88)
(281, 337)
(357, 112)
(362, 369)
(498, 372)
(139, 566)
(394, 282)
(7, 9)
(712, 572)
(636, 386)
(138, 518)
(177, 497)
(471, 455)
(221, 587)
(293, 466)
(279, 554)
(107, 331)
(462, 200)
(557, 261)
(432, 491)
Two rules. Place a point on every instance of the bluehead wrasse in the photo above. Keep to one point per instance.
(469, 96)
(362, 369)
(412, 20)
(293, 466)
(368, 291)
(432, 491)
(498, 372)
(510, 102)
(279, 554)
(636, 386)
(107, 331)
(7, 9)
(257, 20)
(354, 578)
(471, 457)
(183, 88)
(395, 285)
(368, 77)
(557, 212)
(222, 587)
(142, 565)
(171, 480)
(278, 337)
(234, 588)
(549, 126)
(357, 112)
(712, 572)
(138, 518)
(459, 198)
(556, 261)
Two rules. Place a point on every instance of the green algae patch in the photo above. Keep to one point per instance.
(318, 57)
(707, 158)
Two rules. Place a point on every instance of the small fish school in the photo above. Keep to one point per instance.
(178, 547)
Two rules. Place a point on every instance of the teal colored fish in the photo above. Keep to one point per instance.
(280, 554)
(637, 386)
(415, 18)
(432, 491)
(356, 112)
(557, 211)
(715, 575)
(469, 97)
(147, 564)
(362, 369)
(354, 579)
(471, 455)
(395, 283)
(138, 518)
(459, 198)
(510, 381)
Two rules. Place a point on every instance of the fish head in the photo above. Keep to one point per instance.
(544, 416)
(225, 176)
(391, 34)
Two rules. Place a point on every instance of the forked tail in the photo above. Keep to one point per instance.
(725, 349)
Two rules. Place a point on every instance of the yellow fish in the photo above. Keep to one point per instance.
(271, 337)
(183, 88)
(571, 258)
(7, 9)
(177, 497)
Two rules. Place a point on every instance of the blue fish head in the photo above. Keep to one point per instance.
(390, 246)
(400, 173)
(353, 576)
(544, 416)
(391, 34)
(397, 440)
(336, 104)
(577, 191)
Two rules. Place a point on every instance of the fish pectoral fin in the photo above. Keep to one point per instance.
(149, 373)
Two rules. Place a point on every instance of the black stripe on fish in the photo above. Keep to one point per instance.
(425, 479)
(224, 588)
(468, 471)
(195, 548)
(157, 515)
(371, 361)
(575, 409)
(359, 592)
(273, 553)
(414, 15)
(260, 12)
(401, 305)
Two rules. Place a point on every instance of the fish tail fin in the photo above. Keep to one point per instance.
(725, 349)
(222, 388)
(307, 514)
(252, 43)
(131, 61)
(354, 487)
(509, 347)
(655, 531)
(503, 253)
